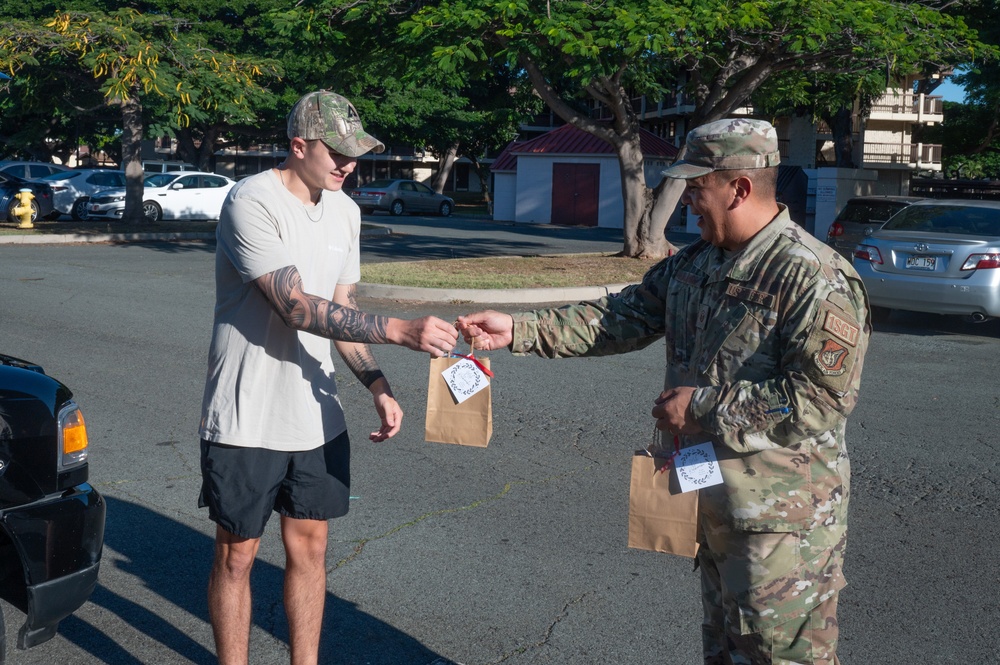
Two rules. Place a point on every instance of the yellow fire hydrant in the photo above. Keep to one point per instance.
(23, 210)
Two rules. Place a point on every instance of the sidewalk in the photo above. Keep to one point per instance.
(418, 238)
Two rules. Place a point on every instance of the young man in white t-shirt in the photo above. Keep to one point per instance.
(273, 431)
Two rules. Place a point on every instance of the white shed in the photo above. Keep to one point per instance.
(569, 177)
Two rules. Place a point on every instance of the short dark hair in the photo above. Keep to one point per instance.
(765, 180)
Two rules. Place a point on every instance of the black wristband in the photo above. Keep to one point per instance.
(370, 378)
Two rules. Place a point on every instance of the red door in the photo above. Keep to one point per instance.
(574, 194)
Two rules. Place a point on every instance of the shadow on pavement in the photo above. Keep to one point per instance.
(924, 325)
(173, 560)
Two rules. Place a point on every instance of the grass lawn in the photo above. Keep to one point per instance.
(510, 272)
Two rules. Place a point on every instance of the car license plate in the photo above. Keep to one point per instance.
(921, 262)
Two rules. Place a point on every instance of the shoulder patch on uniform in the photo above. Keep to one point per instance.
(831, 358)
(750, 295)
(841, 328)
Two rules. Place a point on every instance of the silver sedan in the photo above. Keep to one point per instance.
(935, 256)
(399, 196)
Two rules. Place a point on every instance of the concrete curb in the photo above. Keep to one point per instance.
(376, 291)
(67, 238)
(499, 296)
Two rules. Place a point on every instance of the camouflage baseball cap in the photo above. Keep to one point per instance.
(736, 143)
(329, 117)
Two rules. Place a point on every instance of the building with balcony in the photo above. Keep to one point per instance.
(886, 152)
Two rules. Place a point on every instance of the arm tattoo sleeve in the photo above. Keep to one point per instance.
(304, 311)
(360, 361)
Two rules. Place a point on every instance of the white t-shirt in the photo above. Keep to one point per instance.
(270, 386)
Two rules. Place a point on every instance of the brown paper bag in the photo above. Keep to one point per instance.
(660, 517)
(469, 423)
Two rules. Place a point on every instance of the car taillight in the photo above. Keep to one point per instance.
(982, 262)
(73, 443)
(868, 253)
(836, 229)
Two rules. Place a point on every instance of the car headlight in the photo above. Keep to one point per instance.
(73, 443)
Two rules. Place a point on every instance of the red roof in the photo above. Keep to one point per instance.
(570, 140)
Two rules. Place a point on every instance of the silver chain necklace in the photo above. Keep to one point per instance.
(317, 206)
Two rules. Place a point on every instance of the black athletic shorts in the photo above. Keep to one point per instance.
(241, 486)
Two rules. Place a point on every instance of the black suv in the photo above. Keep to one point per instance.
(51, 519)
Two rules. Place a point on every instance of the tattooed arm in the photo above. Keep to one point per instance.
(360, 360)
(357, 356)
(339, 321)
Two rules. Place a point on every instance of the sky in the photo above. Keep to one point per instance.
(950, 92)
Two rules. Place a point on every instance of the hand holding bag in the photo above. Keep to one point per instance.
(459, 401)
(660, 517)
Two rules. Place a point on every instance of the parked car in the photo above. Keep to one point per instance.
(399, 196)
(30, 170)
(938, 256)
(10, 185)
(860, 216)
(180, 195)
(72, 190)
(51, 519)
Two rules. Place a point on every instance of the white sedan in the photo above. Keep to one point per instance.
(178, 195)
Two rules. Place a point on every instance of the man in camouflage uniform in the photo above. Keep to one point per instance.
(766, 330)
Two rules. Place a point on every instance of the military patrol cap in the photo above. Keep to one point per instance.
(329, 117)
(736, 143)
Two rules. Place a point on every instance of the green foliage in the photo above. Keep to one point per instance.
(975, 167)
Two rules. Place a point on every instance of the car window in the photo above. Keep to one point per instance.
(158, 179)
(210, 181)
(956, 220)
(18, 170)
(60, 175)
(188, 182)
(38, 170)
(869, 212)
(422, 188)
(407, 187)
(378, 184)
(107, 179)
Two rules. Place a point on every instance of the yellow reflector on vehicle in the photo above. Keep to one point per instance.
(74, 434)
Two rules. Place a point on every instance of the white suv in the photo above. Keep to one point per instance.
(72, 190)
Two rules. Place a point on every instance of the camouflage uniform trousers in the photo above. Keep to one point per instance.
(770, 598)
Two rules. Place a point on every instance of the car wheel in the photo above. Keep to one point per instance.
(81, 209)
(151, 211)
(880, 314)
(11, 217)
(367, 211)
(396, 208)
(445, 209)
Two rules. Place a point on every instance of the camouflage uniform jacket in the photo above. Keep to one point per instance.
(773, 337)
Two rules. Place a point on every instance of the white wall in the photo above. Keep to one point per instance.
(835, 186)
(534, 189)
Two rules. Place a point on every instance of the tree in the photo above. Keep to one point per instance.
(130, 58)
(399, 89)
(578, 54)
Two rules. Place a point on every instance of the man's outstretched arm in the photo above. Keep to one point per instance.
(303, 311)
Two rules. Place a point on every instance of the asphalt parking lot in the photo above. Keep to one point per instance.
(511, 554)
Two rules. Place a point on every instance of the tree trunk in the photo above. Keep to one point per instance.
(447, 162)
(647, 211)
(132, 158)
(843, 139)
(483, 172)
